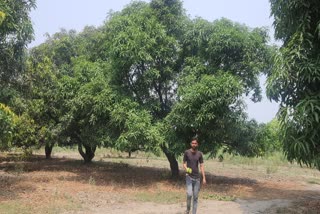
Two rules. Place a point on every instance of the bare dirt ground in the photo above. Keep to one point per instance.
(139, 185)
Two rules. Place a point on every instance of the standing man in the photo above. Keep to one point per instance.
(191, 160)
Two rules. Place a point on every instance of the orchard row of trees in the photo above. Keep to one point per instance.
(148, 79)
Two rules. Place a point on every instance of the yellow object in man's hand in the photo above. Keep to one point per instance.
(189, 170)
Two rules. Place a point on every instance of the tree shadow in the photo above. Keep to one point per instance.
(12, 170)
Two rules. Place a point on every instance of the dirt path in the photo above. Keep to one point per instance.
(205, 206)
(103, 202)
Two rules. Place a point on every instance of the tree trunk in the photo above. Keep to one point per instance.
(88, 155)
(173, 163)
(48, 150)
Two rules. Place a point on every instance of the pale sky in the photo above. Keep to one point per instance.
(52, 15)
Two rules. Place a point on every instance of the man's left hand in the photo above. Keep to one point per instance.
(204, 181)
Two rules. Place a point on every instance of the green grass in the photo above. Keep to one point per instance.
(217, 197)
(57, 149)
(92, 181)
(271, 169)
(161, 197)
(314, 181)
(14, 207)
(18, 207)
(276, 158)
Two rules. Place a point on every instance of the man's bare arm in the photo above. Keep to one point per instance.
(204, 181)
(184, 164)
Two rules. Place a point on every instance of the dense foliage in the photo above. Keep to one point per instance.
(190, 75)
(148, 79)
(15, 33)
(295, 78)
(7, 125)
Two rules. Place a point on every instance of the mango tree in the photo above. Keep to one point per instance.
(190, 74)
(46, 65)
(295, 78)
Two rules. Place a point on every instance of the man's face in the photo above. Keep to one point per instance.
(194, 145)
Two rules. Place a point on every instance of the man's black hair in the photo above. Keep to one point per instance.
(195, 138)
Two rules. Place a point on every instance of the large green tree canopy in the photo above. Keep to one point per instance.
(180, 71)
(295, 77)
(73, 103)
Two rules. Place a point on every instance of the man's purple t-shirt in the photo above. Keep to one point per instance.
(193, 159)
